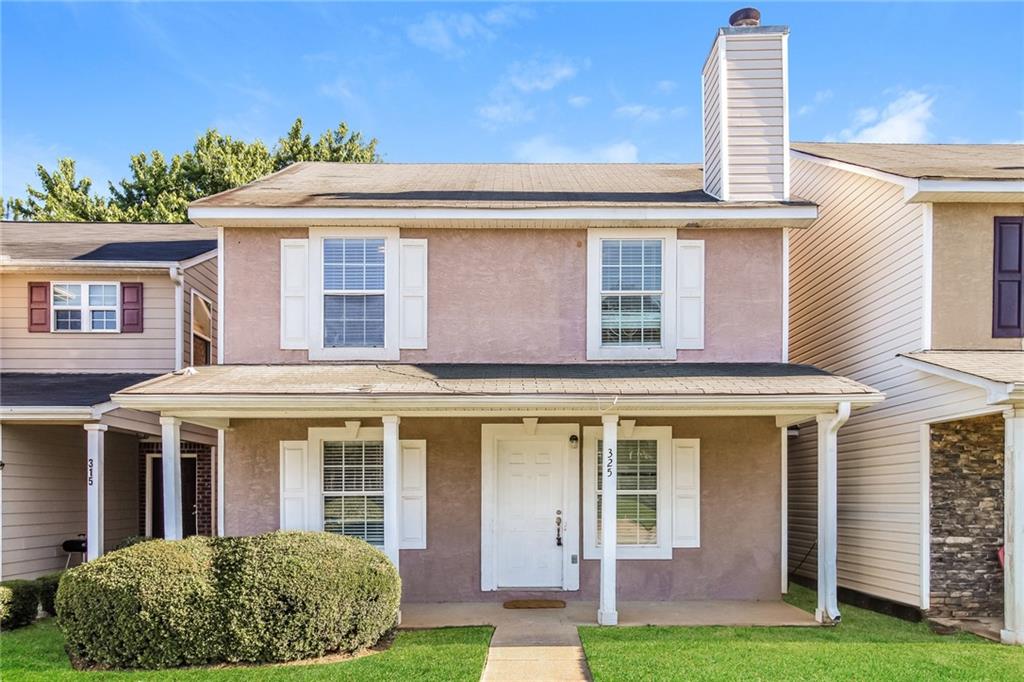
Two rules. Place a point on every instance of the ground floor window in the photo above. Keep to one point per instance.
(353, 489)
(637, 508)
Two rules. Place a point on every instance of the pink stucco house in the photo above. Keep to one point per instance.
(521, 380)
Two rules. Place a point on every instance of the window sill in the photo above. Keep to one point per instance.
(631, 353)
(354, 354)
(633, 552)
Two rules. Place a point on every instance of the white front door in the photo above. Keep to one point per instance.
(530, 501)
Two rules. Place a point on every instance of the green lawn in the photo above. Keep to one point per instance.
(36, 653)
(866, 646)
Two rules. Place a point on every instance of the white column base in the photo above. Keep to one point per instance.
(1011, 637)
(607, 617)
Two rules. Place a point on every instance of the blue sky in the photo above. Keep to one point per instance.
(484, 82)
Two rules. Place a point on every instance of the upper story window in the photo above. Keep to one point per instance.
(632, 293)
(85, 307)
(645, 294)
(354, 292)
(202, 329)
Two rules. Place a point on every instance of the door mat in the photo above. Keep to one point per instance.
(534, 604)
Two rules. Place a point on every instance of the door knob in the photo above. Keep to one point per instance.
(558, 529)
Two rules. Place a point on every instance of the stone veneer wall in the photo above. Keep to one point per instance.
(204, 482)
(967, 518)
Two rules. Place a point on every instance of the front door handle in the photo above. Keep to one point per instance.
(558, 528)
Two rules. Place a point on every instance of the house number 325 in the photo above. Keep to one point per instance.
(610, 462)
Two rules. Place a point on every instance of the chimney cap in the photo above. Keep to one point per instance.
(748, 16)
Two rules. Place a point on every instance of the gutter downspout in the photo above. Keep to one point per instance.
(178, 278)
(828, 536)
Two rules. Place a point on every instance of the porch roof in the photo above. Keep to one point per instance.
(999, 372)
(590, 387)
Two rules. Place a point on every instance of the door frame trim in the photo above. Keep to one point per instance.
(491, 436)
(150, 456)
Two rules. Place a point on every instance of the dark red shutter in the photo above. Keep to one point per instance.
(39, 306)
(131, 307)
(1008, 278)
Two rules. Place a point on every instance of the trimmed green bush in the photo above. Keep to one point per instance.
(276, 597)
(19, 603)
(47, 586)
(151, 605)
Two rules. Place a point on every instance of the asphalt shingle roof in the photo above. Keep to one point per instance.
(934, 161)
(22, 240)
(675, 379)
(1004, 366)
(24, 389)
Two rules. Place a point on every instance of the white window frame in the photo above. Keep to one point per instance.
(390, 349)
(663, 548)
(192, 327)
(316, 463)
(666, 350)
(85, 308)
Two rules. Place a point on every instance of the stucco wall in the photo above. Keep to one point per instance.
(517, 295)
(962, 247)
(740, 509)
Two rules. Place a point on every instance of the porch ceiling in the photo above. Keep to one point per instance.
(281, 390)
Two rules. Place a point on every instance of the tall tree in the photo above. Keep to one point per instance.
(62, 198)
(158, 190)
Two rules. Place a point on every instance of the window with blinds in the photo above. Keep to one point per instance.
(632, 294)
(353, 272)
(637, 508)
(353, 489)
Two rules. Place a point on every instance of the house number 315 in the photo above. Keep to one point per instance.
(90, 470)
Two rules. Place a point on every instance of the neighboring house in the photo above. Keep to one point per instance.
(910, 280)
(550, 380)
(89, 309)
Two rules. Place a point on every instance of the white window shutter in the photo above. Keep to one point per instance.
(412, 293)
(685, 492)
(690, 294)
(294, 293)
(294, 486)
(412, 523)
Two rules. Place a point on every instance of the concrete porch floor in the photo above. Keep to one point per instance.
(631, 613)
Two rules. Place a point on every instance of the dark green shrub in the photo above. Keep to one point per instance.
(151, 605)
(289, 596)
(19, 603)
(47, 586)
(275, 597)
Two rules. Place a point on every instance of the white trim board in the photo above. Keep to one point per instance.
(491, 434)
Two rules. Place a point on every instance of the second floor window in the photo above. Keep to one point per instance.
(85, 307)
(353, 285)
(632, 296)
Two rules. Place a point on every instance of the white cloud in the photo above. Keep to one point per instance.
(904, 119)
(578, 101)
(666, 86)
(820, 97)
(502, 113)
(449, 33)
(508, 102)
(534, 75)
(339, 88)
(544, 149)
(646, 113)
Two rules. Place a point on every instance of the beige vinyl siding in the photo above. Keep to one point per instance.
(856, 287)
(201, 277)
(712, 125)
(150, 351)
(148, 423)
(44, 494)
(755, 116)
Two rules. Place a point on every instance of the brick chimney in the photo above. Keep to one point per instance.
(745, 108)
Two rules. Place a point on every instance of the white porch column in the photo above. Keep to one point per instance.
(828, 429)
(392, 493)
(94, 434)
(607, 613)
(1013, 525)
(170, 459)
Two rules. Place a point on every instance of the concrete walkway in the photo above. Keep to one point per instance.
(543, 644)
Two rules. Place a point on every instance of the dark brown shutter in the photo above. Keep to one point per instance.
(39, 306)
(131, 307)
(1008, 278)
